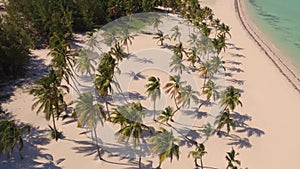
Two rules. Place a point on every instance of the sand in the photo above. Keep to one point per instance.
(269, 115)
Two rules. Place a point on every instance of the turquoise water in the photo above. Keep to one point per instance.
(280, 21)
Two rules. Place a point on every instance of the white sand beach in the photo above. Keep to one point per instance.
(270, 113)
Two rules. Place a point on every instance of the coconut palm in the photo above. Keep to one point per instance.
(176, 64)
(179, 50)
(49, 98)
(110, 38)
(206, 71)
(126, 38)
(187, 94)
(165, 144)
(207, 130)
(92, 43)
(176, 33)
(160, 36)
(156, 21)
(166, 115)
(104, 77)
(173, 88)
(219, 43)
(192, 56)
(224, 30)
(198, 153)
(233, 163)
(89, 114)
(118, 52)
(193, 38)
(225, 119)
(84, 64)
(153, 90)
(217, 64)
(210, 90)
(130, 117)
(230, 98)
(11, 136)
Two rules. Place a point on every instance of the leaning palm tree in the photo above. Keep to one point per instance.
(225, 120)
(193, 57)
(217, 63)
(165, 144)
(187, 94)
(173, 88)
(206, 71)
(166, 115)
(126, 38)
(84, 64)
(11, 136)
(153, 90)
(130, 117)
(176, 33)
(89, 114)
(160, 36)
(223, 29)
(198, 153)
(210, 90)
(92, 43)
(230, 98)
(49, 99)
(219, 43)
(193, 39)
(176, 64)
(233, 163)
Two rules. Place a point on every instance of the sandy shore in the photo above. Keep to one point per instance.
(269, 116)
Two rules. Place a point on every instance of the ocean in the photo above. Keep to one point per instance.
(279, 20)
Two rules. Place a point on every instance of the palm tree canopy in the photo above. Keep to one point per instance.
(176, 64)
(165, 144)
(230, 98)
(153, 88)
(211, 90)
(166, 115)
(173, 87)
(187, 94)
(88, 112)
(199, 152)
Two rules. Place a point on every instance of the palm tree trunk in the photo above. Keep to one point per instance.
(201, 161)
(195, 161)
(203, 104)
(54, 126)
(97, 146)
(205, 76)
(154, 112)
(140, 158)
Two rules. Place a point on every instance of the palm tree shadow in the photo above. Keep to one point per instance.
(136, 76)
(143, 60)
(243, 127)
(32, 152)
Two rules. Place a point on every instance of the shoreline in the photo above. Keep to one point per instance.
(286, 69)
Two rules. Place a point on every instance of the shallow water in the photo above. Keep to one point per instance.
(280, 21)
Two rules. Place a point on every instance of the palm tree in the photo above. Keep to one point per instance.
(104, 77)
(176, 33)
(89, 114)
(217, 63)
(110, 38)
(186, 95)
(166, 115)
(176, 64)
(192, 56)
(211, 90)
(153, 90)
(224, 29)
(207, 130)
(198, 153)
(49, 98)
(220, 43)
(11, 136)
(225, 119)
(206, 71)
(84, 64)
(193, 39)
(130, 117)
(156, 21)
(161, 37)
(232, 162)
(165, 144)
(126, 38)
(230, 98)
(92, 42)
(173, 88)
(179, 50)
(118, 52)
